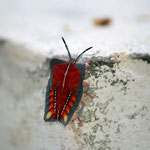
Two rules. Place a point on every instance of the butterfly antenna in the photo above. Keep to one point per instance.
(83, 53)
(67, 48)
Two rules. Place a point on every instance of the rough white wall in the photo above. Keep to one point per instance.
(116, 118)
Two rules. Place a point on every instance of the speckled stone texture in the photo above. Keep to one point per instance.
(117, 118)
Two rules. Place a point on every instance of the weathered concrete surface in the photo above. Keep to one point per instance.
(117, 118)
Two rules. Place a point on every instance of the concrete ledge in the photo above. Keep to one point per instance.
(116, 118)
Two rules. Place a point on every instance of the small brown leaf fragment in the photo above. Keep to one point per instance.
(102, 21)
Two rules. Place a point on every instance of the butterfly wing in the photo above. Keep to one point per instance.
(63, 92)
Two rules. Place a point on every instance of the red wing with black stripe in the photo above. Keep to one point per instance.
(64, 90)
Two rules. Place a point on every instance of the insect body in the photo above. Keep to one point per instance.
(64, 89)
